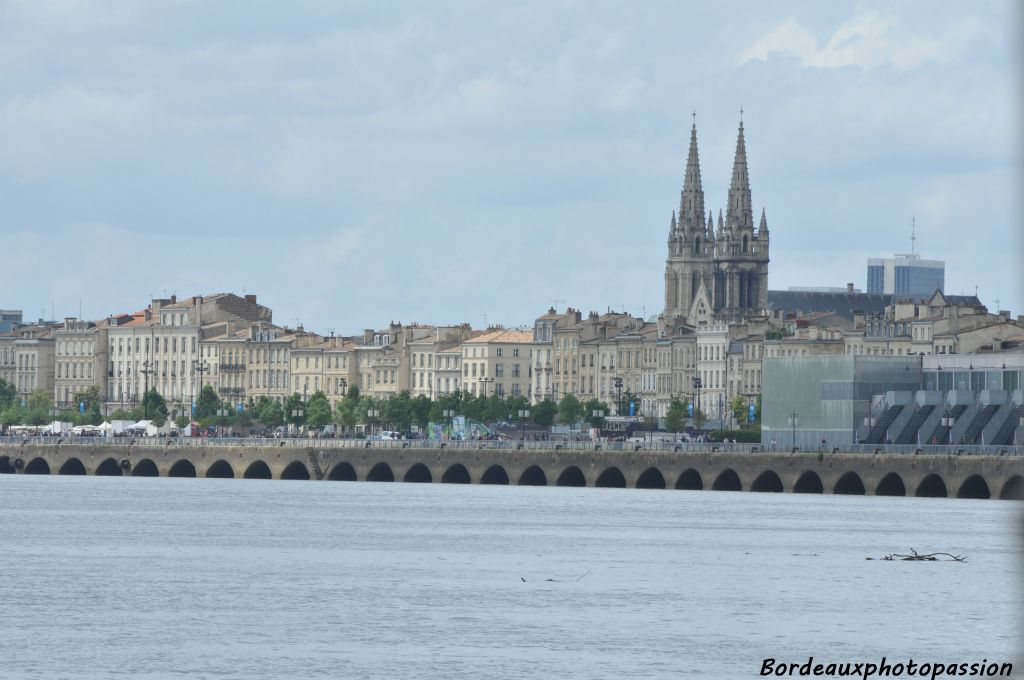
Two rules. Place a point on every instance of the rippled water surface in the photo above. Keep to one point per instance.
(153, 578)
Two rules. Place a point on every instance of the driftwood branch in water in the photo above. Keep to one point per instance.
(917, 557)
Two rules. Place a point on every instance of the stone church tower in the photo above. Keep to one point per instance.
(731, 262)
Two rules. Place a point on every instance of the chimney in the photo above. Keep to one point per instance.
(368, 336)
(252, 298)
(849, 288)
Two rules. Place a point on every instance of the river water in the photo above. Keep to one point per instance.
(105, 577)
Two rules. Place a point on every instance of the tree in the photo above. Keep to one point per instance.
(595, 405)
(398, 411)
(294, 411)
(543, 413)
(570, 409)
(90, 397)
(8, 395)
(739, 410)
(675, 418)
(154, 407)
(39, 408)
(318, 410)
(421, 407)
(208, 403)
(15, 414)
(269, 412)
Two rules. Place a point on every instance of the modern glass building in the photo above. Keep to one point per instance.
(813, 399)
(906, 276)
(9, 318)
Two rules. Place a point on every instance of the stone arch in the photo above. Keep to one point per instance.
(295, 470)
(109, 468)
(768, 481)
(182, 468)
(342, 472)
(690, 480)
(974, 486)
(651, 478)
(932, 486)
(72, 466)
(5, 466)
(611, 478)
(418, 474)
(850, 484)
(456, 474)
(381, 472)
(221, 470)
(727, 480)
(571, 476)
(809, 482)
(495, 475)
(145, 468)
(891, 485)
(533, 476)
(1013, 489)
(258, 470)
(37, 466)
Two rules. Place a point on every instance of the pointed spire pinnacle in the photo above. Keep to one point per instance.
(721, 226)
(739, 213)
(673, 223)
(762, 228)
(691, 200)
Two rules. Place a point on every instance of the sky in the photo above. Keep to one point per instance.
(354, 164)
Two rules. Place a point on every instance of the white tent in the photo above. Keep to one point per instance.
(106, 429)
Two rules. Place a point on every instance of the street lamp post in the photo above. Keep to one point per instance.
(794, 419)
(618, 388)
(371, 414)
(200, 366)
(145, 371)
(597, 414)
(524, 413)
(449, 415)
(296, 414)
(697, 384)
(222, 413)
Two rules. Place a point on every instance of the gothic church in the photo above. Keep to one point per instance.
(715, 273)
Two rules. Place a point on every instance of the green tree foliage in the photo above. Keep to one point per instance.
(154, 407)
(595, 405)
(738, 407)
(397, 411)
(318, 410)
(269, 412)
(293, 408)
(208, 403)
(93, 414)
(570, 410)
(8, 395)
(15, 414)
(675, 417)
(421, 407)
(543, 413)
(39, 408)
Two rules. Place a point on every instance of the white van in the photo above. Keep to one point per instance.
(390, 434)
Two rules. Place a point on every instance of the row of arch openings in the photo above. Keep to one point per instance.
(850, 483)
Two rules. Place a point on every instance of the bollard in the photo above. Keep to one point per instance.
(755, 449)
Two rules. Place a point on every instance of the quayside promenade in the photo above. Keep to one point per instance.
(960, 473)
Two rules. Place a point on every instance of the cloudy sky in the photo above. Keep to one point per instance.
(358, 163)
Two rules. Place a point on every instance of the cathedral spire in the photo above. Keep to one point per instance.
(762, 228)
(711, 225)
(691, 200)
(672, 225)
(739, 213)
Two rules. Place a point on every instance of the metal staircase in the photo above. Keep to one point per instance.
(941, 433)
(314, 465)
(978, 423)
(1005, 433)
(877, 434)
(909, 433)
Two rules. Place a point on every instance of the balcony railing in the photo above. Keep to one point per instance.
(232, 367)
